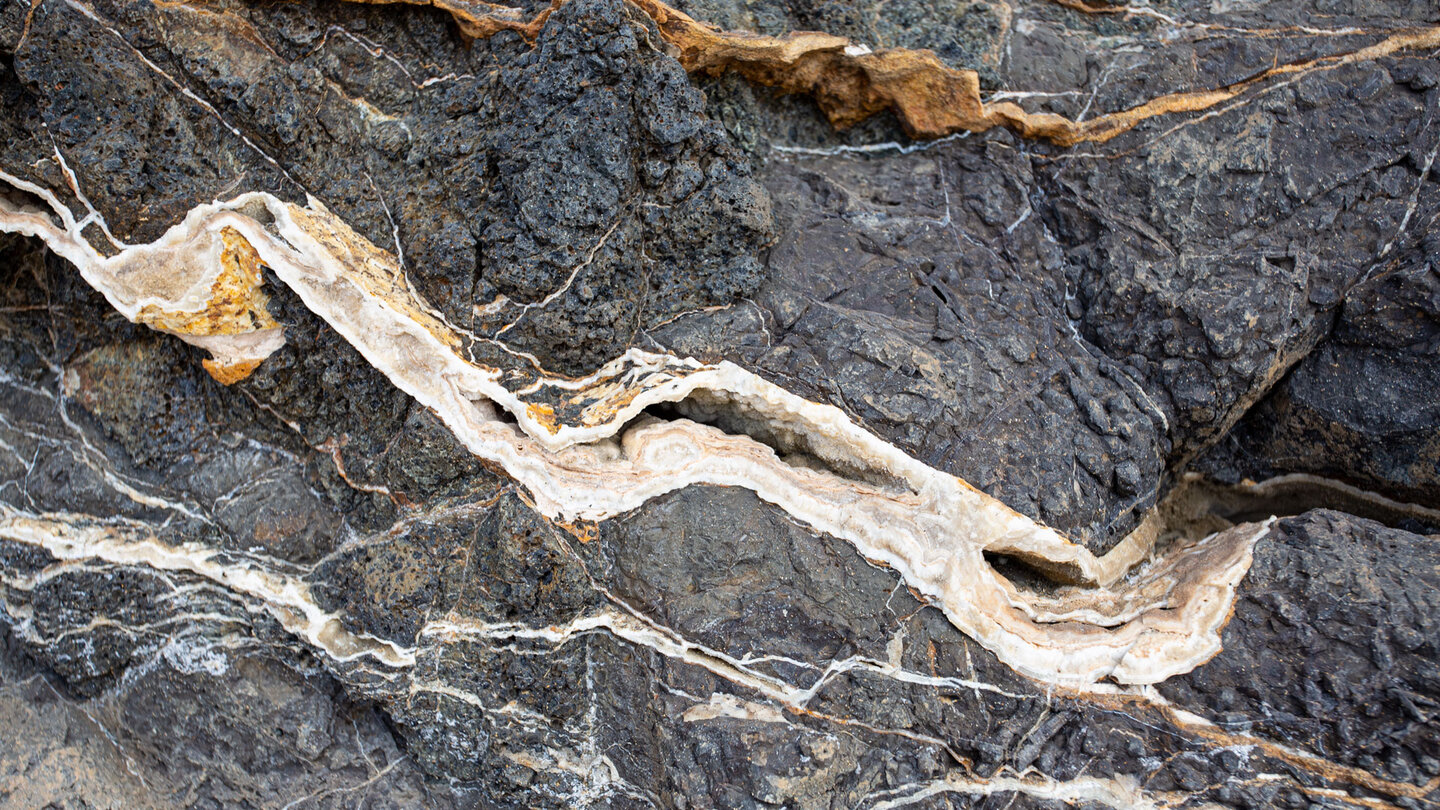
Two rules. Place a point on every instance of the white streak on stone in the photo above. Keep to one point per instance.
(729, 706)
(287, 598)
(1121, 792)
(589, 462)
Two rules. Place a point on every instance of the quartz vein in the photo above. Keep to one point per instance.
(585, 449)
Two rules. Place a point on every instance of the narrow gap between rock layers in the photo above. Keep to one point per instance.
(1198, 506)
(792, 445)
(1213, 505)
(583, 451)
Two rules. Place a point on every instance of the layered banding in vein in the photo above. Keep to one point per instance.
(586, 449)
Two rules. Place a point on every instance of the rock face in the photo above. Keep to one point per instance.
(465, 406)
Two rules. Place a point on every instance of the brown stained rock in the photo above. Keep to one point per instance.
(236, 306)
(478, 20)
(229, 373)
(1061, 333)
(851, 83)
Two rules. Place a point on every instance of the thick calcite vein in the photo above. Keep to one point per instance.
(199, 283)
(584, 449)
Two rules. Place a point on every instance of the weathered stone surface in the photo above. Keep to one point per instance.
(1321, 655)
(200, 725)
(302, 586)
(1383, 433)
(543, 176)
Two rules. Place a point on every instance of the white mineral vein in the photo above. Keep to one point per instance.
(1133, 619)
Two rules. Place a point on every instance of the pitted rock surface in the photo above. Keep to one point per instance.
(305, 589)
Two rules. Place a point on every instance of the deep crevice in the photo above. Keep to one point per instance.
(1025, 574)
(26, 200)
(1296, 494)
(792, 442)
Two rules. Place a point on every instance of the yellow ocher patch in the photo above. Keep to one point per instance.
(236, 306)
(544, 414)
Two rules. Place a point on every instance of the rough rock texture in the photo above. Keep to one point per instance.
(546, 186)
(302, 589)
(1320, 655)
(1382, 434)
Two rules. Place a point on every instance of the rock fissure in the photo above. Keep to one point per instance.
(414, 526)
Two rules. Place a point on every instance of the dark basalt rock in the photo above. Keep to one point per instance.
(204, 726)
(579, 173)
(952, 339)
(1320, 653)
(1246, 292)
(609, 185)
(1382, 434)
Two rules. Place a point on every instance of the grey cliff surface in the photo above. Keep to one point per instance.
(1224, 314)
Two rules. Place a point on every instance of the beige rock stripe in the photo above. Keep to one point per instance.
(1162, 618)
(850, 82)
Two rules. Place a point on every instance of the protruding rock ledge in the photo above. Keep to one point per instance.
(586, 448)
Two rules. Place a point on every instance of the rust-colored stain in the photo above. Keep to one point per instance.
(230, 373)
(607, 404)
(236, 304)
(479, 20)
(928, 97)
(544, 415)
(584, 531)
(377, 272)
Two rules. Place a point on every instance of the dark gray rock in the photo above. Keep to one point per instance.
(1248, 292)
(1324, 653)
(513, 173)
(1362, 406)
(199, 726)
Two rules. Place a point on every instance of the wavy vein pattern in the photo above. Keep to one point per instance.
(585, 449)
